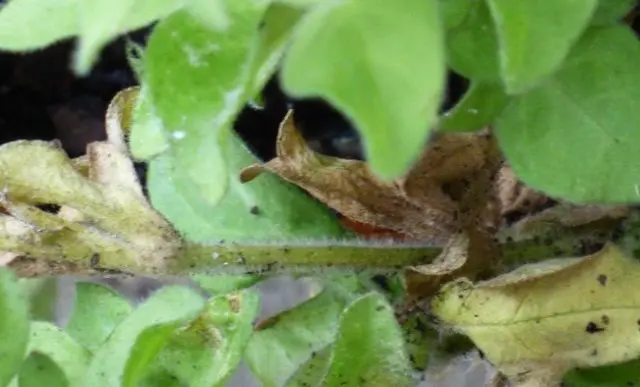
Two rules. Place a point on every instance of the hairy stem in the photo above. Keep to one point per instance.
(273, 258)
(518, 248)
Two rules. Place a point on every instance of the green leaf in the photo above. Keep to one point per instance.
(42, 293)
(575, 137)
(208, 351)
(220, 284)
(480, 106)
(286, 341)
(96, 313)
(421, 340)
(124, 358)
(275, 34)
(472, 42)
(535, 37)
(198, 80)
(300, 3)
(71, 358)
(147, 138)
(134, 53)
(99, 22)
(48, 23)
(14, 325)
(454, 12)
(95, 22)
(403, 83)
(212, 13)
(267, 208)
(619, 375)
(39, 370)
(313, 371)
(612, 11)
(369, 348)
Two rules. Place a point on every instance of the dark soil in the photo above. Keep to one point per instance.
(41, 99)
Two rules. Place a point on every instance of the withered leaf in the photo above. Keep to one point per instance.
(543, 319)
(426, 205)
(102, 206)
(471, 254)
(563, 216)
(515, 197)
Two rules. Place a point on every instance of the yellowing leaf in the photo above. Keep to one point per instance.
(543, 319)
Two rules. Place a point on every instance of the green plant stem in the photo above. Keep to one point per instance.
(273, 258)
(235, 258)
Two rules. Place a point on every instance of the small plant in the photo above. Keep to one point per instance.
(552, 111)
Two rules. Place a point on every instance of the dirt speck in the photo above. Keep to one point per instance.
(592, 328)
(602, 279)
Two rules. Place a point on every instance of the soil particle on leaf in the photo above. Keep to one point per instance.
(592, 328)
(602, 279)
(255, 210)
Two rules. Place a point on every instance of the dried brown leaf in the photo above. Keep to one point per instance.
(563, 216)
(431, 203)
(472, 254)
(515, 197)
